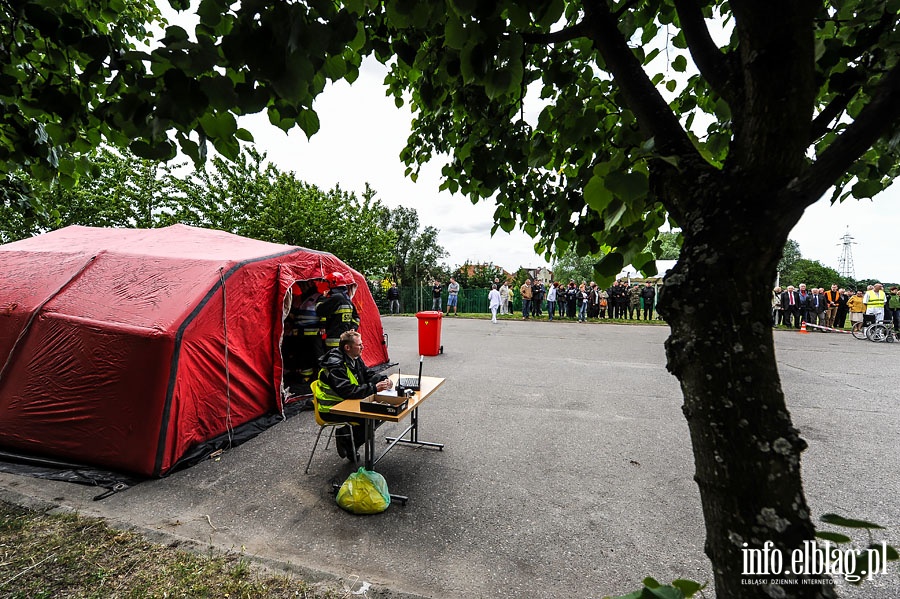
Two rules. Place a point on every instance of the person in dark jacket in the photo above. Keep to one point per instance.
(648, 294)
(302, 346)
(336, 312)
(571, 299)
(791, 306)
(815, 307)
(840, 319)
(345, 376)
(393, 296)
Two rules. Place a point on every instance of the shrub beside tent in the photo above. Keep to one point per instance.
(129, 349)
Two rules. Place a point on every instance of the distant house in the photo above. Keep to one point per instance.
(630, 273)
(472, 270)
(542, 274)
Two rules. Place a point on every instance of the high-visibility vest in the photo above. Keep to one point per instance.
(326, 398)
(874, 299)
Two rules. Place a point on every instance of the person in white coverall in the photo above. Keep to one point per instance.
(494, 301)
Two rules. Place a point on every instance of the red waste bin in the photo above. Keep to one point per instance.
(430, 333)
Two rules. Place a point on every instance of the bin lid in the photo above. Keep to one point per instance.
(430, 314)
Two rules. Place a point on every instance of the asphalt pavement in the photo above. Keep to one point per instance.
(566, 472)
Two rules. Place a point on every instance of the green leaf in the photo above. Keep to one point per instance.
(507, 224)
(629, 186)
(220, 124)
(680, 63)
(243, 135)
(609, 266)
(553, 10)
(455, 35)
(163, 150)
(687, 587)
(174, 35)
(666, 592)
(834, 537)
(651, 583)
(867, 188)
(498, 83)
(722, 110)
(335, 67)
(190, 149)
(673, 160)
(596, 195)
(848, 522)
(309, 122)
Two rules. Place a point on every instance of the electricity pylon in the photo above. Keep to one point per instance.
(845, 263)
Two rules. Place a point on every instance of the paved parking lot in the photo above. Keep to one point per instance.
(567, 470)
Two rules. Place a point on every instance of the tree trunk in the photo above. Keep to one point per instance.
(717, 301)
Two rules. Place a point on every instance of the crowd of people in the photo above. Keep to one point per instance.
(791, 307)
(623, 300)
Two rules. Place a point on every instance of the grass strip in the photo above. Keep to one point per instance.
(70, 556)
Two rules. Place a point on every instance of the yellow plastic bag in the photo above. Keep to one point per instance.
(364, 492)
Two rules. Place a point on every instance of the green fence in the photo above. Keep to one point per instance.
(418, 299)
(413, 299)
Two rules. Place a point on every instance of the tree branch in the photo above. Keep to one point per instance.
(714, 65)
(630, 4)
(864, 44)
(556, 37)
(653, 114)
(838, 104)
(879, 115)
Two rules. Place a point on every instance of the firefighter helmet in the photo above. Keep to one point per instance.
(338, 279)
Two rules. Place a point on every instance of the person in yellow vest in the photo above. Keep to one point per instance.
(874, 301)
(857, 308)
(345, 376)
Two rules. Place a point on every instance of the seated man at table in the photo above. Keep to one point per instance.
(344, 376)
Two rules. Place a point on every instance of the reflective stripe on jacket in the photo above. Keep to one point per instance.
(325, 395)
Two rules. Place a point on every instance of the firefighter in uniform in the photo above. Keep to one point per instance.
(345, 376)
(303, 344)
(336, 312)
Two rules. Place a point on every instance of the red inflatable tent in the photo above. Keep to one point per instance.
(126, 349)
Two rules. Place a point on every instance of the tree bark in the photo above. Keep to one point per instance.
(717, 301)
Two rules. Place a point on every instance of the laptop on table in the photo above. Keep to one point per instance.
(413, 383)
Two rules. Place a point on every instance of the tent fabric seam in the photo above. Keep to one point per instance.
(36, 311)
(176, 352)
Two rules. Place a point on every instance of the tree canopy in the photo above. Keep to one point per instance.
(571, 266)
(76, 75)
(247, 197)
(417, 255)
(480, 276)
